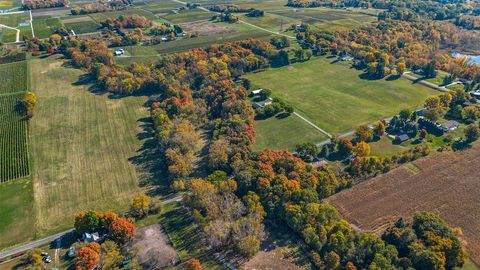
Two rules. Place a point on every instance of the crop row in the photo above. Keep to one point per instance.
(13, 139)
(14, 77)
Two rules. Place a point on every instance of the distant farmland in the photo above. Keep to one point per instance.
(447, 183)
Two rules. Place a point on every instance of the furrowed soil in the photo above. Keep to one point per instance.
(447, 183)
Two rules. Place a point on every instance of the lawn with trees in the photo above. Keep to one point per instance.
(336, 97)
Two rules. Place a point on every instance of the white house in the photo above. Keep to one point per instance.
(91, 237)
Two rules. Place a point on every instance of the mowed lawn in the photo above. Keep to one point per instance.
(81, 143)
(335, 98)
(285, 133)
(17, 216)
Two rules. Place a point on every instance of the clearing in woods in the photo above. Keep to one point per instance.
(81, 142)
(445, 182)
(336, 97)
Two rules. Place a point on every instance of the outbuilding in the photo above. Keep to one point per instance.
(449, 125)
(402, 138)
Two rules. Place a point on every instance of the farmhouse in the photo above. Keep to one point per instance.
(91, 237)
(449, 126)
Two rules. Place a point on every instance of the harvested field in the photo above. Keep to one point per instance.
(203, 28)
(154, 248)
(447, 183)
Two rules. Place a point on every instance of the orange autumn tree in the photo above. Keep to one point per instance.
(121, 230)
(87, 259)
(194, 264)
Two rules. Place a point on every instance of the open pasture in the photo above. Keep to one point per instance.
(13, 20)
(285, 133)
(445, 182)
(82, 143)
(44, 27)
(100, 17)
(83, 27)
(188, 15)
(13, 77)
(336, 97)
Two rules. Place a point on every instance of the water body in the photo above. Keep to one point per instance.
(471, 58)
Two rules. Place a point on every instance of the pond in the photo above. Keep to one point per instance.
(471, 58)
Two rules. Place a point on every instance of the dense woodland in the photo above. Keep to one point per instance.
(37, 4)
(393, 44)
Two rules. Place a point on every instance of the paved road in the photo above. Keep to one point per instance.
(34, 244)
(52, 238)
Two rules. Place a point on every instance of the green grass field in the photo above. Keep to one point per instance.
(17, 216)
(44, 27)
(335, 97)
(285, 133)
(100, 17)
(188, 15)
(13, 77)
(83, 27)
(81, 143)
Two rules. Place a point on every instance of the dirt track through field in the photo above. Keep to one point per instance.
(447, 183)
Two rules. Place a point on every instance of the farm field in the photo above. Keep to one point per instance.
(13, 77)
(445, 182)
(189, 15)
(17, 216)
(100, 17)
(82, 143)
(13, 139)
(83, 27)
(285, 133)
(44, 27)
(335, 97)
(7, 4)
(144, 53)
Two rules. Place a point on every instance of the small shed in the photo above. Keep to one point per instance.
(450, 125)
(319, 164)
(402, 138)
(261, 104)
(256, 92)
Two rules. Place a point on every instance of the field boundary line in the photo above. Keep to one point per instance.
(31, 23)
(313, 125)
(240, 21)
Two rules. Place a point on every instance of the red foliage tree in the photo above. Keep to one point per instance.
(194, 264)
(87, 259)
(121, 230)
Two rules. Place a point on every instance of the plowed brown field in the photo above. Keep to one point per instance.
(447, 183)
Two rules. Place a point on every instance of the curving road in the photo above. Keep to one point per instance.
(54, 237)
